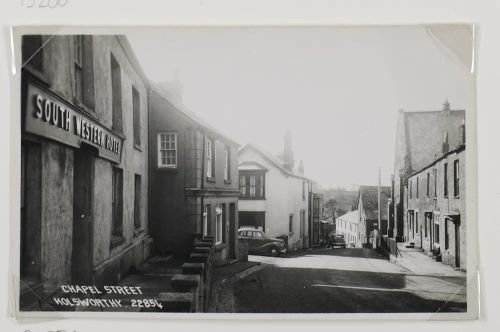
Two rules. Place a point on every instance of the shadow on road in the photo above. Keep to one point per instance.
(283, 290)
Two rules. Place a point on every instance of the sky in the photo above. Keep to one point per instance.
(338, 89)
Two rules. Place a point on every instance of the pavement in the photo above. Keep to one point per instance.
(418, 262)
(334, 281)
(224, 277)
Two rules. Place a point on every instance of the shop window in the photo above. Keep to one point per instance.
(137, 202)
(167, 150)
(136, 104)
(116, 94)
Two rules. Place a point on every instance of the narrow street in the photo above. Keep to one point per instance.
(343, 281)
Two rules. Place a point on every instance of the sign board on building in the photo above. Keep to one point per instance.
(50, 116)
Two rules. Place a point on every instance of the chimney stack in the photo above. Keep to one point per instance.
(446, 105)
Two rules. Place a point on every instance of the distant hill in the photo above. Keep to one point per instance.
(339, 201)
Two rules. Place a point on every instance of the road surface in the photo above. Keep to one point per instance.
(351, 280)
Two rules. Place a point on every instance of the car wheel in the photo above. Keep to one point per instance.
(274, 251)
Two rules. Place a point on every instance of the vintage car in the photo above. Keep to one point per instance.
(337, 240)
(259, 242)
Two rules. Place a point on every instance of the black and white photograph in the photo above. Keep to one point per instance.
(248, 170)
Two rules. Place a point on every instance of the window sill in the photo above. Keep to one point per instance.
(252, 198)
(211, 179)
(456, 197)
(168, 169)
(227, 181)
(116, 240)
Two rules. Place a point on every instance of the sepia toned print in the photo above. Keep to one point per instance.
(181, 183)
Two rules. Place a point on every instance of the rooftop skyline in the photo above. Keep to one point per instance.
(337, 89)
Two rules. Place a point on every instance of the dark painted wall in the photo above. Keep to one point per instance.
(176, 193)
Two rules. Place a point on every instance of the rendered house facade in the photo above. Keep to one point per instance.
(272, 197)
(83, 163)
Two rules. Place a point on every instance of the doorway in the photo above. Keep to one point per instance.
(232, 230)
(31, 223)
(83, 179)
(457, 242)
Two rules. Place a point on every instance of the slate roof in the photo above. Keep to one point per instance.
(369, 199)
(425, 132)
(273, 160)
(351, 217)
(181, 108)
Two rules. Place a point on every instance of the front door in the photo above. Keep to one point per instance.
(81, 262)
(457, 243)
(232, 230)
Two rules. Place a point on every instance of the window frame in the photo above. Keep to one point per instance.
(210, 158)
(116, 95)
(205, 220)
(252, 186)
(445, 180)
(446, 234)
(255, 190)
(136, 116)
(428, 189)
(416, 188)
(83, 72)
(159, 149)
(218, 225)
(243, 185)
(456, 178)
(227, 163)
(290, 224)
(78, 68)
(137, 202)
